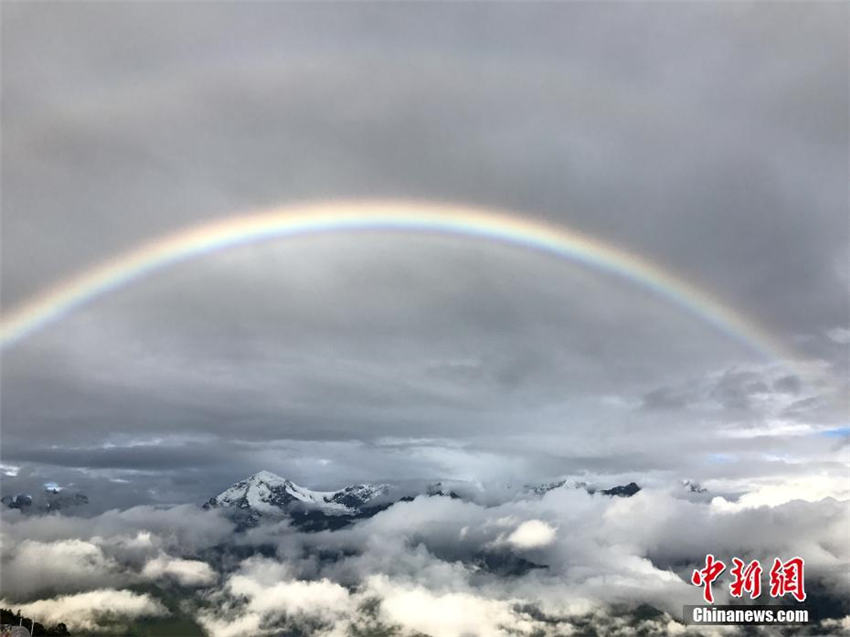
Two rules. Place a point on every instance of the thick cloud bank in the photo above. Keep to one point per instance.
(94, 609)
(441, 566)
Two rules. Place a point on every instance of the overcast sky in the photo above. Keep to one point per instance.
(711, 139)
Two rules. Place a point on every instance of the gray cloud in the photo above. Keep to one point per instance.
(554, 110)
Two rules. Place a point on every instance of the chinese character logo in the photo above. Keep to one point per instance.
(747, 578)
(704, 577)
(786, 578)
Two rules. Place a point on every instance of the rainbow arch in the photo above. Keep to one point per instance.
(403, 216)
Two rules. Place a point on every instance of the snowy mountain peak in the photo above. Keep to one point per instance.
(266, 476)
(265, 493)
(356, 495)
(626, 490)
(693, 486)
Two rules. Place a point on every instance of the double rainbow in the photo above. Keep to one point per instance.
(400, 216)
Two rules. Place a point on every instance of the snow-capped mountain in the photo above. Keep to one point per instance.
(48, 501)
(437, 488)
(693, 487)
(266, 494)
(623, 491)
(17, 501)
(694, 491)
(541, 489)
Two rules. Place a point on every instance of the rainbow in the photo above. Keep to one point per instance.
(401, 216)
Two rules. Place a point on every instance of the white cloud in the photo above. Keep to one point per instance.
(9, 470)
(837, 626)
(49, 554)
(92, 610)
(65, 566)
(448, 613)
(419, 562)
(773, 493)
(769, 428)
(839, 335)
(272, 598)
(184, 527)
(186, 572)
(532, 534)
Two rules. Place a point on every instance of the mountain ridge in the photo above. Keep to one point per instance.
(265, 495)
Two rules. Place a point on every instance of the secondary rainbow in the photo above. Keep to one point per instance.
(398, 216)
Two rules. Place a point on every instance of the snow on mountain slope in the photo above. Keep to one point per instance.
(625, 491)
(268, 493)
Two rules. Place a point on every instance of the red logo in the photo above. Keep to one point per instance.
(785, 578)
(747, 578)
(704, 577)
